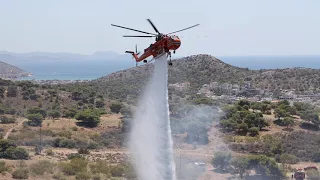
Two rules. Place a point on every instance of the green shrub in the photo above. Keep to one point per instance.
(83, 151)
(83, 175)
(254, 131)
(74, 128)
(74, 166)
(41, 167)
(49, 152)
(288, 159)
(117, 170)
(100, 167)
(16, 153)
(20, 173)
(221, 160)
(3, 167)
(316, 156)
(6, 120)
(313, 174)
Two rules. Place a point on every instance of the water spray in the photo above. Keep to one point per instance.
(151, 142)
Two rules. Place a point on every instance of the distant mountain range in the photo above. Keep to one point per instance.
(12, 58)
(67, 66)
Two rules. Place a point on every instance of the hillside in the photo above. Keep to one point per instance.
(8, 71)
(204, 69)
(87, 119)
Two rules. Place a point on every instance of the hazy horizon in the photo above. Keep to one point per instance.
(227, 28)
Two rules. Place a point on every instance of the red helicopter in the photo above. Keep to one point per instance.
(164, 43)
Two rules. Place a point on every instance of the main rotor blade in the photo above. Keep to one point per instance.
(132, 29)
(138, 36)
(154, 27)
(185, 28)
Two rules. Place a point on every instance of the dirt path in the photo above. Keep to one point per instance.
(16, 126)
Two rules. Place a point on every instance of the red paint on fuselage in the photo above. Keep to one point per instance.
(164, 44)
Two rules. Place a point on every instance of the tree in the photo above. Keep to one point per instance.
(197, 132)
(254, 131)
(2, 90)
(35, 119)
(288, 121)
(70, 113)
(221, 160)
(99, 103)
(316, 156)
(115, 107)
(256, 106)
(37, 110)
(12, 91)
(281, 113)
(240, 165)
(89, 117)
(126, 112)
(54, 114)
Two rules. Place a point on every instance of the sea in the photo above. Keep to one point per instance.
(93, 69)
(70, 70)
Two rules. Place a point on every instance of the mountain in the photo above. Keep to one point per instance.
(8, 71)
(204, 69)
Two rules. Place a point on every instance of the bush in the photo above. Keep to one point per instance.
(221, 160)
(288, 159)
(20, 173)
(254, 131)
(313, 174)
(83, 175)
(115, 107)
(41, 167)
(74, 128)
(16, 153)
(3, 167)
(75, 166)
(316, 156)
(49, 152)
(100, 167)
(6, 120)
(117, 170)
(83, 151)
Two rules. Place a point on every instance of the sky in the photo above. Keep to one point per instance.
(227, 28)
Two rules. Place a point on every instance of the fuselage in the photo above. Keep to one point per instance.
(164, 44)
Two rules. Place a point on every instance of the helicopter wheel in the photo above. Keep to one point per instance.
(174, 52)
(170, 63)
(145, 61)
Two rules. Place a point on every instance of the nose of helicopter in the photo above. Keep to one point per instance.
(176, 43)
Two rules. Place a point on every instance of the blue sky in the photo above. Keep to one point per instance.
(227, 27)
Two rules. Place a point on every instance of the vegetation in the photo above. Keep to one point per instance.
(238, 118)
(263, 165)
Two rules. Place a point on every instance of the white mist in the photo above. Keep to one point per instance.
(150, 141)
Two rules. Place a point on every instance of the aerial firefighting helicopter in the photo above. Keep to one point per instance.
(164, 43)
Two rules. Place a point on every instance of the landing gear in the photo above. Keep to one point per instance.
(170, 63)
(145, 61)
(174, 51)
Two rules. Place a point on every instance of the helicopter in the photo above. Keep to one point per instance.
(164, 43)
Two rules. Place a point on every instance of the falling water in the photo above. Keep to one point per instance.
(150, 141)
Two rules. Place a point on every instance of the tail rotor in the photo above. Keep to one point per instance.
(137, 53)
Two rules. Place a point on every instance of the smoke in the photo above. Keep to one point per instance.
(150, 141)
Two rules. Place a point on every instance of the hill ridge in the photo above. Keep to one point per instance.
(8, 71)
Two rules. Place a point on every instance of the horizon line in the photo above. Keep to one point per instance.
(239, 55)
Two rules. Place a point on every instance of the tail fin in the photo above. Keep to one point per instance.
(134, 54)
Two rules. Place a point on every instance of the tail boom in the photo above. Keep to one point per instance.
(133, 54)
